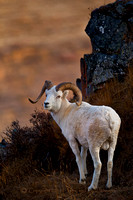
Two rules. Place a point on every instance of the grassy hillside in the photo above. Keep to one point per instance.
(38, 164)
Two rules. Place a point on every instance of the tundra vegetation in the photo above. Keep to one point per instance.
(38, 163)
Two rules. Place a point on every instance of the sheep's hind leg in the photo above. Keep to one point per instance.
(97, 167)
(83, 157)
(74, 146)
(110, 166)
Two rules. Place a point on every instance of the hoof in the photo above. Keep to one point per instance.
(90, 188)
(82, 181)
(108, 186)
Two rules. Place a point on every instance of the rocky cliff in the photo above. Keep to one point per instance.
(111, 32)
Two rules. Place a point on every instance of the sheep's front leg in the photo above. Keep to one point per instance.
(83, 157)
(74, 146)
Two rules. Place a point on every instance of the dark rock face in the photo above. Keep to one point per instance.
(111, 32)
(109, 25)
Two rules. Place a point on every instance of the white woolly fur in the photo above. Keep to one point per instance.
(95, 128)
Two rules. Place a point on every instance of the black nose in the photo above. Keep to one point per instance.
(46, 104)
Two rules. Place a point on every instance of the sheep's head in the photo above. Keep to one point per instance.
(55, 95)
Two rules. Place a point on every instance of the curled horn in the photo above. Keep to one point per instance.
(70, 86)
(47, 85)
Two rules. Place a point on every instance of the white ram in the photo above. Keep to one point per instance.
(95, 127)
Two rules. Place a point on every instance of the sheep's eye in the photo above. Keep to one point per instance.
(58, 97)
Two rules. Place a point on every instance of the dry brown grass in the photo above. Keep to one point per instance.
(118, 95)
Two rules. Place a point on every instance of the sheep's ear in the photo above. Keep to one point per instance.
(65, 93)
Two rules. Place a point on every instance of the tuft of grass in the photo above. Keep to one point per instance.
(117, 94)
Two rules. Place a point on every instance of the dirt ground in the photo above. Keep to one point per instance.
(39, 40)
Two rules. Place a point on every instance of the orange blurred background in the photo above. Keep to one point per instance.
(39, 40)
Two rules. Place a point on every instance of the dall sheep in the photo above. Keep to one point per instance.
(95, 127)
